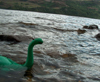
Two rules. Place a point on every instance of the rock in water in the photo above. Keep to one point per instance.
(91, 27)
(98, 36)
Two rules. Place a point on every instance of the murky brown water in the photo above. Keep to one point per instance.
(69, 52)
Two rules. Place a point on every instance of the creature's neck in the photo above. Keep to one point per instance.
(30, 60)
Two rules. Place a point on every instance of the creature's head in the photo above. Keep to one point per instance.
(35, 42)
(38, 41)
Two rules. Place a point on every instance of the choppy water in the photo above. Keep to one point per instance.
(65, 55)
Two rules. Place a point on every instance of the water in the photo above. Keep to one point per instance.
(65, 55)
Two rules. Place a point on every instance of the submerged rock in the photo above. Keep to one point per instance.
(86, 27)
(98, 36)
(79, 31)
(30, 25)
(8, 38)
(91, 27)
(14, 38)
(70, 57)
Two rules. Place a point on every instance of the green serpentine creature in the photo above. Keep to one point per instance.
(7, 63)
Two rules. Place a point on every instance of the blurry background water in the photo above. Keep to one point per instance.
(69, 53)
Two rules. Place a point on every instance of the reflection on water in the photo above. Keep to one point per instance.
(11, 76)
(16, 75)
(69, 53)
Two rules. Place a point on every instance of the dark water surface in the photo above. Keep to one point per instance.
(67, 54)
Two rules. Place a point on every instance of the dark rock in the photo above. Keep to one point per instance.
(86, 27)
(79, 31)
(14, 38)
(8, 38)
(98, 36)
(91, 27)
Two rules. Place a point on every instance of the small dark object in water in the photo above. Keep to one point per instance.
(28, 73)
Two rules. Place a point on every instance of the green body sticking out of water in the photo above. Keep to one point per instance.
(10, 64)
